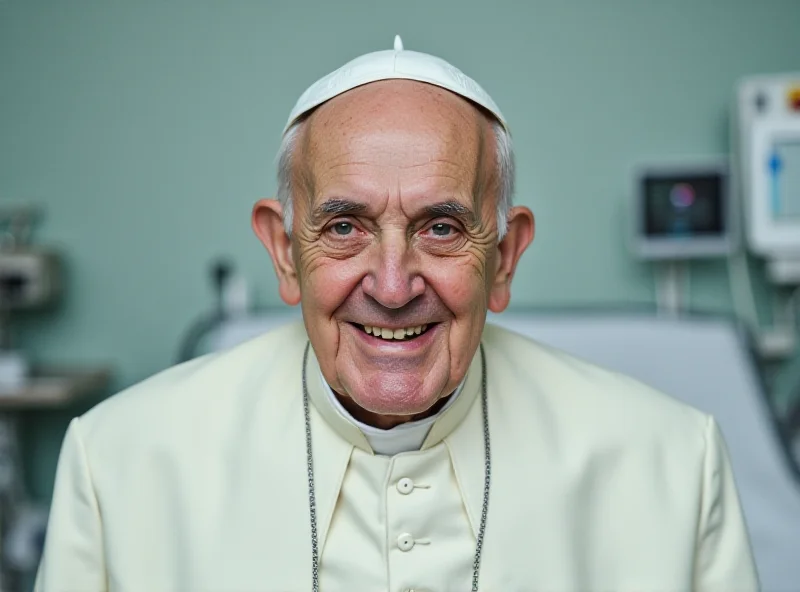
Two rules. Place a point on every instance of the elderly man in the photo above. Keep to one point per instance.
(393, 441)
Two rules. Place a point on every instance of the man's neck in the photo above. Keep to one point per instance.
(386, 422)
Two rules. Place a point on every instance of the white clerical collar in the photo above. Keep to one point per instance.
(405, 437)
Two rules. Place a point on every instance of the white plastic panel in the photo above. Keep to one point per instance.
(768, 125)
(774, 204)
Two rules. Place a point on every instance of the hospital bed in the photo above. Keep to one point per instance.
(704, 361)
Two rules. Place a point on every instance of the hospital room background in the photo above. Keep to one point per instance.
(656, 143)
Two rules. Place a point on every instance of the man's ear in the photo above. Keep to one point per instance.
(267, 222)
(521, 228)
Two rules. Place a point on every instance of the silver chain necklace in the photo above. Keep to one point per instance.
(487, 479)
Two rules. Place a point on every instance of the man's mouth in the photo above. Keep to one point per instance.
(402, 334)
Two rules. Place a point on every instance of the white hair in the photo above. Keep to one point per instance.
(504, 155)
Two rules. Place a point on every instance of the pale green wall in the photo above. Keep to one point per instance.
(148, 129)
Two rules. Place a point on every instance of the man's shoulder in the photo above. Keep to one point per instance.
(581, 396)
(204, 391)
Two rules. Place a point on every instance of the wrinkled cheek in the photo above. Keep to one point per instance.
(320, 299)
(326, 284)
(318, 306)
(462, 288)
(465, 292)
(330, 285)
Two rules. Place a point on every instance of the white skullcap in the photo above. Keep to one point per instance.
(393, 64)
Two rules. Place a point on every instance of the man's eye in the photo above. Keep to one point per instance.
(441, 229)
(343, 228)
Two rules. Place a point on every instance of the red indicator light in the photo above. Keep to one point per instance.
(794, 98)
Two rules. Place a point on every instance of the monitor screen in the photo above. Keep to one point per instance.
(784, 172)
(682, 207)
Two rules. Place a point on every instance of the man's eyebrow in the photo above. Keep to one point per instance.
(451, 208)
(338, 206)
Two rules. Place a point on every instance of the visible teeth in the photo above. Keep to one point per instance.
(395, 333)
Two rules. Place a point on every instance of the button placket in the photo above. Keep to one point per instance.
(411, 512)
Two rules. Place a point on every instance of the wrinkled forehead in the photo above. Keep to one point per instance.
(396, 123)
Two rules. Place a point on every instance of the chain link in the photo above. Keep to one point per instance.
(487, 479)
(487, 476)
(312, 499)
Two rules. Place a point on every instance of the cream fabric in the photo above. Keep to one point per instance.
(195, 480)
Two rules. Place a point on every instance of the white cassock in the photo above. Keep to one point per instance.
(196, 481)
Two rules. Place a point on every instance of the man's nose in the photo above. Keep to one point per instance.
(393, 279)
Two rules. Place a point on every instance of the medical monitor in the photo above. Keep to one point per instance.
(682, 210)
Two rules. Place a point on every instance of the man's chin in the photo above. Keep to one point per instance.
(401, 388)
(390, 404)
(386, 409)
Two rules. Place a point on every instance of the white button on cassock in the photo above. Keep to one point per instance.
(405, 542)
(405, 486)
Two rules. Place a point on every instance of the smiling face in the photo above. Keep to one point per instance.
(394, 252)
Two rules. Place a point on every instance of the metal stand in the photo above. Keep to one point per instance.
(670, 287)
(22, 525)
